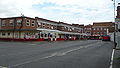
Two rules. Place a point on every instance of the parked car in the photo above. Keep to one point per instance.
(106, 38)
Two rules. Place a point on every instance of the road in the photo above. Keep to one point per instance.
(63, 54)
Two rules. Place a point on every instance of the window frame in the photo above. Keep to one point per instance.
(27, 23)
(33, 24)
(3, 34)
(9, 34)
(19, 22)
(3, 22)
(11, 22)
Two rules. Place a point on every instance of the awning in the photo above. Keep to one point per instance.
(60, 32)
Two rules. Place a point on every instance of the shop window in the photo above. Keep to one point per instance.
(50, 35)
(45, 35)
(41, 35)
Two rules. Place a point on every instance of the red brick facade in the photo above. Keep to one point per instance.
(18, 23)
(39, 28)
(102, 28)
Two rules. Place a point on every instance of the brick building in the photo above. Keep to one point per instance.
(88, 30)
(23, 27)
(102, 28)
(69, 30)
(18, 27)
(46, 28)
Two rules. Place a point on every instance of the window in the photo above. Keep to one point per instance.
(51, 27)
(72, 28)
(27, 22)
(39, 23)
(97, 28)
(89, 28)
(43, 25)
(33, 23)
(8, 34)
(104, 28)
(55, 27)
(3, 34)
(19, 22)
(41, 34)
(11, 22)
(45, 35)
(48, 25)
(3, 22)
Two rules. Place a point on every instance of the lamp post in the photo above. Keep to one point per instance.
(118, 26)
(115, 44)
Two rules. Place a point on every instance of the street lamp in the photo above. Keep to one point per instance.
(115, 44)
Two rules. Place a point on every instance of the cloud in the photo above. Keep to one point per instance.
(70, 11)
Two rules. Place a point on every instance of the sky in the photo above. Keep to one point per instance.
(68, 11)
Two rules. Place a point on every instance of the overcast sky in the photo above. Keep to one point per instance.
(68, 11)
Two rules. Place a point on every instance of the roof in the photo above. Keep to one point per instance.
(102, 23)
(45, 20)
(18, 17)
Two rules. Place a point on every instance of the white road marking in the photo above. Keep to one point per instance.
(3, 67)
(75, 49)
(111, 63)
(30, 61)
(32, 44)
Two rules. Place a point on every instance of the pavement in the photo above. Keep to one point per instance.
(116, 61)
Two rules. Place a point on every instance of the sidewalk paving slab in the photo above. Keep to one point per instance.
(116, 61)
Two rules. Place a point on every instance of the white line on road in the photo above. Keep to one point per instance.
(111, 63)
(30, 61)
(32, 44)
(54, 54)
(2, 67)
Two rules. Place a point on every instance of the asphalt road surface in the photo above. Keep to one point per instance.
(63, 54)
